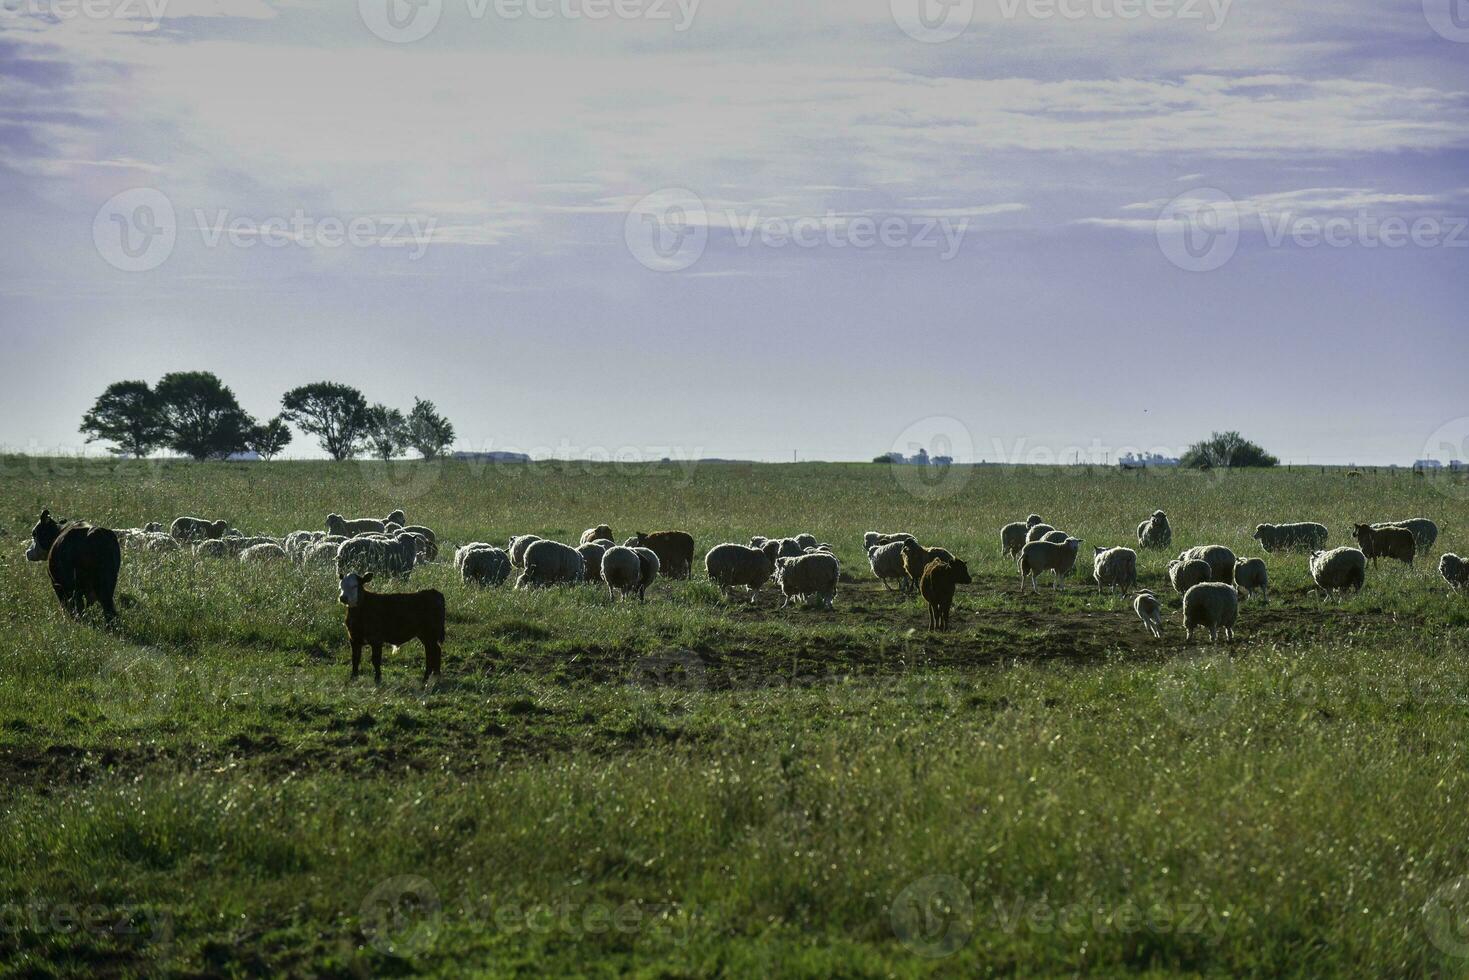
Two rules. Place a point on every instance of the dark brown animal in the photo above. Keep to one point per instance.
(675, 550)
(599, 533)
(916, 559)
(937, 588)
(374, 619)
(1386, 542)
(82, 560)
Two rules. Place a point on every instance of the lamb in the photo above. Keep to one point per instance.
(806, 576)
(1047, 556)
(262, 553)
(1037, 532)
(1184, 575)
(1114, 568)
(337, 524)
(1454, 570)
(599, 533)
(1212, 605)
(1389, 541)
(1283, 537)
(1338, 570)
(191, 529)
(374, 620)
(484, 566)
(622, 570)
(916, 559)
(647, 572)
(1150, 611)
(730, 565)
(675, 550)
(887, 564)
(390, 556)
(937, 588)
(517, 548)
(591, 555)
(550, 563)
(1155, 531)
(1221, 561)
(1012, 536)
(1425, 532)
(1251, 574)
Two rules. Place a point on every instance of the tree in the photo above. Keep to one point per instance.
(127, 414)
(428, 431)
(387, 432)
(202, 416)
(268, 440)
(1226, 449)
(335, 413)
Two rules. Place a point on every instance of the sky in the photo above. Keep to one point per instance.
(1007, 230)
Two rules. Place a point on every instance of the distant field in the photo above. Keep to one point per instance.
(694, 787)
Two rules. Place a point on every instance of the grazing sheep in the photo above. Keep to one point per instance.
(1425, 532)
(591, 555)
(550, 563)
(1114, 568)
(209, 548)
(1338, 570)
(262, 553)
(759, 540)
(1184, 575)
(1047, 556)
(1250, 574)
(390, 556)
(599, 533)
(804, 541)
(1150, 611)
(337, 524)
(873, 538)
(158, 543)
(463, 551)
(191, 529)
(730, 565)
(374, 620)
(1057, 537)
(1155, 532)
(1037, 532)
(1284, 537)
(297, 541)
(937, 588)
(484, 566)
(391, 527)
(1212, 605)
(916, 559)
(675, 550)
(323, 552)
(430, 549)
(648, 573)
(517, 548)
(887, 564)
(806, 576)
(622, 570)
(1454, 570)
(1012, 536)
(1389, 541)
(1220, 559)
(396, 517)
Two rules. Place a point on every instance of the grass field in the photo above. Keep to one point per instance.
(692, 787)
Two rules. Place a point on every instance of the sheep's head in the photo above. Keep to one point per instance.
(1362, 531)
(1032, 520)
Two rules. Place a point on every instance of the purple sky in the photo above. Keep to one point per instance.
(745, 227)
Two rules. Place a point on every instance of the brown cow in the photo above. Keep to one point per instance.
(83, 562)
(916, 558)
(1386, 542)
(374, 619)
(675, 550)
(937, 587)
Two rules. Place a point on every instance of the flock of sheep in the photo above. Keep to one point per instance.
(1211, 579)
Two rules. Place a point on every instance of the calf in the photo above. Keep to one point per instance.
(937, 587)
(374, 619)
(83, 562)
(1386, 542)
(675, 550)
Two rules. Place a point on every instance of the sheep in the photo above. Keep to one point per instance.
(758, 540)
(1388, 541)
(591, 555)
(1454, 570)
(517, 548)
(1220, 559)
(1212, 605)
(1284, 537)
(1250, 574)
(887, 564)
(391, 527)
(675, 550)
(390, 556)
(297, 541)
(1047, 556)
(1338, 570)
(153, 527)
(396, 517)
(805, 541)
(1114, 568)
(937, 588)
(463, 551)
(599, 533)
(1012, 536)
(1150, 611)
(875, 538)
(374, 620)
(1425, 532)
(916, 559)
(191, 529)
(1184, 575)
(262, 553)
(430, 549)
(1155, 532)
(1057, 537)
(484, 566)
(160, 543)
(648, 572)
(806, 576)
(323, 552)
(730, 565)
(1037, 532)
(622, 570)
(337, 524)
(550, 563)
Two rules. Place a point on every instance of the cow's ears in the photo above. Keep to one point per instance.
(45, 514)
(365, 578)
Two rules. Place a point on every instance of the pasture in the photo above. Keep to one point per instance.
(695, 786)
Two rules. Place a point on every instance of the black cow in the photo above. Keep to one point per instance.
(83, 560)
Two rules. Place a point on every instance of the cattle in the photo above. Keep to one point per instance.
(82, 560)
(675, 550)
(936, 585)
(374, 619)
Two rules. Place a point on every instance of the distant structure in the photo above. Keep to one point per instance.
(1453, 465)
(495, 457)
(1135, 461)
(245, 457)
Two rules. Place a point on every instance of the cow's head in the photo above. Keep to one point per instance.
(43, 536)
(961, 573)
(352, 589)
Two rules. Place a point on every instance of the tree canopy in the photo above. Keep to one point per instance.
(129, 415)
(1226, 449)
(202, 416)
(335, 413)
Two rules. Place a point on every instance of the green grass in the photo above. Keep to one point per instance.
(694, 787)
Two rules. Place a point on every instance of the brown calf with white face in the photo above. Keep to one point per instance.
(375, 619)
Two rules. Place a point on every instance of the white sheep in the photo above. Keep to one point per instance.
(731, 565)
(1212, 605)
(269, 551)
(1150, 611)
(1155, 532)
(1455, 571)
(191, 529)
(484, 566)
(517, 548)
(160, 543)
(1184, 575)
(1012, 536)
(297, 541)
(462, 552)
(622, 570)
(550, 563)
(648, 570)
(1114, 568)
(1221, 561)
(806, 576)
(1250, 575)
(397, 517)
(1037, 532)
(1338, 570)
(323, 552)
(379, 554)
(1283, 537)
(591, 555)
(337, 524)
(887, 564)
(1047, 556)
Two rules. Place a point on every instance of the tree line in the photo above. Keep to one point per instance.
(196, 414)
